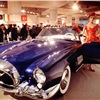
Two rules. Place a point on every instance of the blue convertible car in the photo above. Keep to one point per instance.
(40, 68)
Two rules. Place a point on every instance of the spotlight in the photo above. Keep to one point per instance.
(75, 7)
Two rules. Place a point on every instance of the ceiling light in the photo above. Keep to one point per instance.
(37, 14)
(81, 11)
(47, 16)
(75, 7)
(28, 12)
(1, 5)
(23, 11)
(31, 12)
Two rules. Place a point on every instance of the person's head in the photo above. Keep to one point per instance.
(91, 16)
(2, 26)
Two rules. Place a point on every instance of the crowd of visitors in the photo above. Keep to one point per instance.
(14, 33)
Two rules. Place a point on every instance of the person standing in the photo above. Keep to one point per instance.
(91, 32)
(14, 33)
(38, 29)
(24, 32)
(3, 34)
(91, 29)
(33, 32)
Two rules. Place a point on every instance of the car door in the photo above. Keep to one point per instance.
(91, 53)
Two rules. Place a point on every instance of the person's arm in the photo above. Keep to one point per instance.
(84, 31)
(83, 35)
(98, 33)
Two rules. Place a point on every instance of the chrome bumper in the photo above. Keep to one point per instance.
(33, 92)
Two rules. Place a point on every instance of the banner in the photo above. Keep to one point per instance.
(23, 17)
(59, 21)
(1, 17)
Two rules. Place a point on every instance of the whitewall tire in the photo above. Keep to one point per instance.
(65, 80)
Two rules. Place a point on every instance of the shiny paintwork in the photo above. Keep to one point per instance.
(26, 56)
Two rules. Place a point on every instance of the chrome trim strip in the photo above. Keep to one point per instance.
(34, 93)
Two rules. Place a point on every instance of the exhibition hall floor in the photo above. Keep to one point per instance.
(85, 85)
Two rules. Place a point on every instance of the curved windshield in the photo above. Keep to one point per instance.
(59, 33)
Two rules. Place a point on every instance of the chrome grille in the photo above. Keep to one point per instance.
(9, 76)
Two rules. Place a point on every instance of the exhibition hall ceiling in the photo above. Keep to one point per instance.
(64, 8)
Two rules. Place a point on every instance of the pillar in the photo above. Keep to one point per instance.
(69, 21)
(53, 17)
(14, 12)
(77, 20)
(33, 19)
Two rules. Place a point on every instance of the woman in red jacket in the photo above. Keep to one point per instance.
(91, 33)
(91, 29)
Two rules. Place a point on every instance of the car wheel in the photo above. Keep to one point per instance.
(65, 81)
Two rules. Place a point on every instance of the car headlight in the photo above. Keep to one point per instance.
(39, 75)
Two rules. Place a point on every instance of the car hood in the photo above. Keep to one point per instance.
(26, 53)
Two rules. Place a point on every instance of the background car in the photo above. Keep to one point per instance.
(40, 68)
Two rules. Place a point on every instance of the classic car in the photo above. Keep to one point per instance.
(42, 67)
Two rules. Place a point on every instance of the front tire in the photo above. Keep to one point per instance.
(65, 81)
